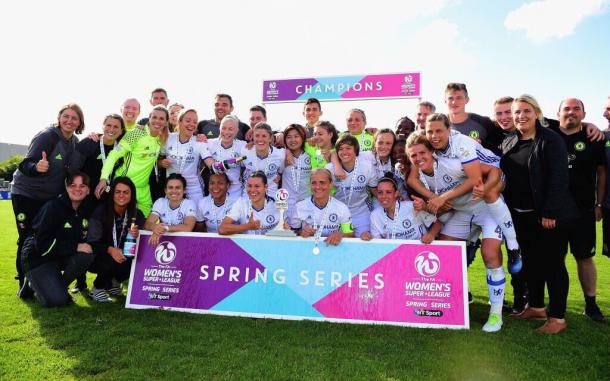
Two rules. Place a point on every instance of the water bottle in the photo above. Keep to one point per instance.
(225, 165)
(129, 249)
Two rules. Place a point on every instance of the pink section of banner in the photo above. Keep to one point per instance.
(386, 86)
(420, 285)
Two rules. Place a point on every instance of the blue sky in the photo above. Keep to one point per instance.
(98, 54)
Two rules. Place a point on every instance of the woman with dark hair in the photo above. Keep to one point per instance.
(139, 148)
(296, 176)
(263, 157)
(361, 178)
(57, 252)
(404, 127)
(42, 173)
(325, 136)
(108, 228)
(172, 213)
(254, 213)
(213, 209)
(92, 152)
(535, 162)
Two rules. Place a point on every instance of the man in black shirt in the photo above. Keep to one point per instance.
(586, 163)
(223, 105)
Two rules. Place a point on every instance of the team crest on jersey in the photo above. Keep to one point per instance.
(21, 217)
(367, 143)
(333, 217)
(307, 160)
(474, 134)
(272, 167)
(361, 179)
(447, 179)
(406, 224)
(579, 146)
(270, 219)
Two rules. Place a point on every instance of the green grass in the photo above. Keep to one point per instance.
(106, 342)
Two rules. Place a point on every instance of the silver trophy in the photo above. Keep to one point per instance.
(281, 204)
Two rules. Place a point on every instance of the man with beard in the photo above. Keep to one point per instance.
(223, 105)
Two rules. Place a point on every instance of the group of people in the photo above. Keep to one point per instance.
(536, 184)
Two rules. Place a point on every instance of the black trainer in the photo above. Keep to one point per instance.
(25, 291)
(519, 304)
(594, 313)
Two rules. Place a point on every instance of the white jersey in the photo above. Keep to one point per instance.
(212, 214)
(219, 153)
(272, 165)
(174, 216)
(185, 159)
(296, 180)
(352, 191)
(268, 215)
(380, 168)
(449, 174)
(467, 150)
(407, 225)
(335, 214)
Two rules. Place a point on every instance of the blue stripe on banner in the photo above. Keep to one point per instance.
(495, 283)
(350, 258)
(335, 86)
(257, 296)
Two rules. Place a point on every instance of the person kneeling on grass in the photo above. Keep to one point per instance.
(108, 229)
(57, 252)
(322, 215)
(172, 213)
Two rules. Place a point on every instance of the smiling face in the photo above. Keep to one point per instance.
(228, 131)
(321, 185)
(112, 129)
(68, 122)
(571, 114)
(157, 122)
(294, 141)
(130, 111)
(347, 154)
(355, 122)
(437, 134)
(383, 145)
(218, 186)
(422, 114)
(256, 189)
(174, 190)
(398, 152)
(386, 194)
(322, 138)
(504, 116)
(174, 112)
(524, 117)
(188, 123)
(421, 157)
(78, 190)
(312, 113)
(159, 98)
(262, 139)
(122, 195)
(222, 107)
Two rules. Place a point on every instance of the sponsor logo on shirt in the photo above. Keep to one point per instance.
(579, 146)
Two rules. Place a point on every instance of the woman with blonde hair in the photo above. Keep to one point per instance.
(535, 164)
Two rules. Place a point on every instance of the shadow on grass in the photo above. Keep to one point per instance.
(110, 342)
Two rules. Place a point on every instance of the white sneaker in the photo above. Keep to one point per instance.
(493, 324)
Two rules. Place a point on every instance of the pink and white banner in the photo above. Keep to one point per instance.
(378, 282)
(372, 86)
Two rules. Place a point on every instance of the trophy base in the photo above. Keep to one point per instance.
(281, 233)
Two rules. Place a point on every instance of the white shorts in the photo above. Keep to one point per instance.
(465, 224)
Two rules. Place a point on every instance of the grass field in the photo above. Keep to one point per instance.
(90, 341)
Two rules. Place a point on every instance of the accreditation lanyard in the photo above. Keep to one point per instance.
(319, 228)
(352, 185)
(394, 223)
(117, 240)
(102, 151)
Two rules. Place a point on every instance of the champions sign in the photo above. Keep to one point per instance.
(378, 282)
(402, 85)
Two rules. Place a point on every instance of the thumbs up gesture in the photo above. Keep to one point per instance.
(254, 224)
(478, 190)
(43, 165)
